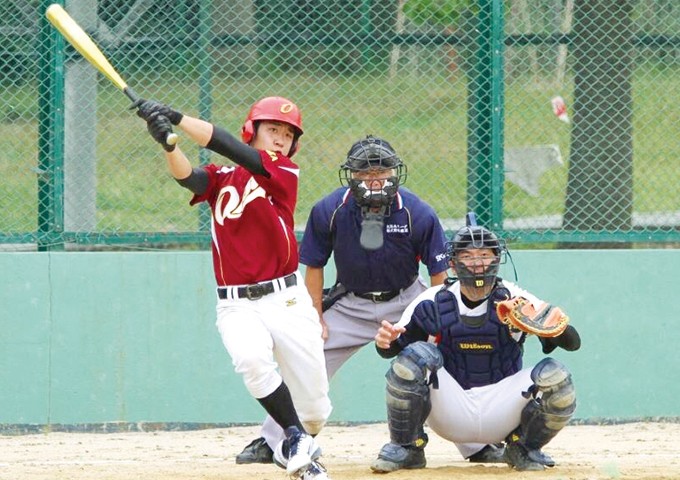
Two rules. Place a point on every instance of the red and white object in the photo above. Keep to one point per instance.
(560, 109)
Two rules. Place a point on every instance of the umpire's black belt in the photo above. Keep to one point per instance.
(379, 296)
(257, 290)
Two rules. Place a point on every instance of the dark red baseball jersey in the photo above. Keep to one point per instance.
(252, 222)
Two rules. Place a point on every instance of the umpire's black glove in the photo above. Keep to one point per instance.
(145, 108)
(159, 128)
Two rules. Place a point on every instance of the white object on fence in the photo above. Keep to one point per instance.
(525, 165)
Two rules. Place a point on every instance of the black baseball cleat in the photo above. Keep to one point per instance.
(520, 458)
(394, 457)
(492, 453)
(256, 451)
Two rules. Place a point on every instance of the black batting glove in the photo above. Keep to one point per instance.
(159, 128)
(145, 108)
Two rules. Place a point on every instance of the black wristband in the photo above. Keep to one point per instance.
(570, 340)
(174, 116)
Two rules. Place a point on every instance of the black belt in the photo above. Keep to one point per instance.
(384, 296)
(379, 296)
(257, 290)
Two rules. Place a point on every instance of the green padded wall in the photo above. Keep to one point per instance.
(130, 337)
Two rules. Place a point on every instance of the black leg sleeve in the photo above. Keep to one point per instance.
(279, 405)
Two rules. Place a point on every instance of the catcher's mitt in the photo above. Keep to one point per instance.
(520, 314)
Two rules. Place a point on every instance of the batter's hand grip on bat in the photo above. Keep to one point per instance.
(82, 42)
(172, 138)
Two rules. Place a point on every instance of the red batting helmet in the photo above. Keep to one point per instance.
(276, 109)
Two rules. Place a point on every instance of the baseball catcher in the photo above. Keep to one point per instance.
(458, 365)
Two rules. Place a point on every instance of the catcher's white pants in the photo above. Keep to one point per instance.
(479, 416)
(279, 337)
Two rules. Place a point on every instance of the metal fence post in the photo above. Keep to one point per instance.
(51, 137)
(485, 118)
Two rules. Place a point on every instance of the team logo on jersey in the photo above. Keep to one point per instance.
(230, 204)
(291, 301)
(396, 228)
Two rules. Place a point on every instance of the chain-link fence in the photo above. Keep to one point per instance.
(556, 120)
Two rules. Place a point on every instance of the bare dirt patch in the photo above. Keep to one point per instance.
(639, 451)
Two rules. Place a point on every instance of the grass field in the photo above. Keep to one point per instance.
(423, 116)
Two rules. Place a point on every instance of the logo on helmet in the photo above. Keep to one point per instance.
(286, 108)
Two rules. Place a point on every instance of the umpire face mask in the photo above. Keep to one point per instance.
(374, 189)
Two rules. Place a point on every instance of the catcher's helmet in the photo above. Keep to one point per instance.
(277, 109)
(368, 155)
(474, 236)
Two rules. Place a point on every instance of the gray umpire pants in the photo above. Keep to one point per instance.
(352, 324)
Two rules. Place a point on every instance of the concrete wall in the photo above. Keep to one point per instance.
(130, 337)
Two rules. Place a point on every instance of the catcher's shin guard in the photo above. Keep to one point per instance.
(407, 392)
(552, 405)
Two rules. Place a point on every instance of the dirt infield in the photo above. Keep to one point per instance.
(640, 451)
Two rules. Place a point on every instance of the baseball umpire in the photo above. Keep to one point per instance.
(482, 394)
(378, 233)
(265, 315)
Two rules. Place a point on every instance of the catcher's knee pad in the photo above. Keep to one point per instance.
(553, 380)
(408, 394)
(552, 405)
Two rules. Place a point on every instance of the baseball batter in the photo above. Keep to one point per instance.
(378, 233)
(265, 315)
(482, 396)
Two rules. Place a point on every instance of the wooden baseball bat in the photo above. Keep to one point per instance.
(82, 42)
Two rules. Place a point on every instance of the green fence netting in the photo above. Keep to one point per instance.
(555, 120)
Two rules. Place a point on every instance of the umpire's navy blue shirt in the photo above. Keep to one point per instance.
(412, 234)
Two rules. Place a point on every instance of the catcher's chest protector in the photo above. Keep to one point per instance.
(477, 351)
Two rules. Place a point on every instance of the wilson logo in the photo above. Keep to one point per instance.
(475, 346)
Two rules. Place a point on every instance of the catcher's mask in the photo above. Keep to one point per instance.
(474, 236)
(276, 109)
(372, 155)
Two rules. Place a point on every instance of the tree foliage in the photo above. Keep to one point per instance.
(445, 13)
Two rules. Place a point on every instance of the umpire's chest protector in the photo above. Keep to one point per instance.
(477, 351)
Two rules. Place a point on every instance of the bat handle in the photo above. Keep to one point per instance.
(172, 138)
